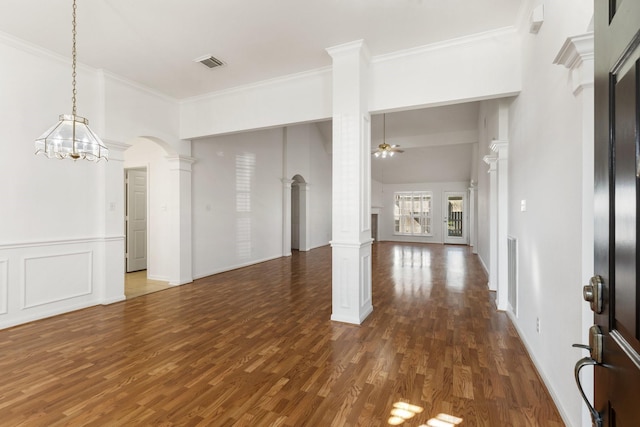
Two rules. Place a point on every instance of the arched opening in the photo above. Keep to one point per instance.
(299, 214)
(146, 215)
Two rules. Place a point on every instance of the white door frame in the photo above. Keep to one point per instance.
(446, 239)
(136, 265)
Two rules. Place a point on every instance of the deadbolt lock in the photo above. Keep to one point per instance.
(593, 293)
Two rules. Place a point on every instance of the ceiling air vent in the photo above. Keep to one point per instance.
(209, 61)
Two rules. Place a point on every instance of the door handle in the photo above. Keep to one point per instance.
(596, 418)
(596, 351)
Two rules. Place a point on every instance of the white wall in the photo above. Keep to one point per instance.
(319, 190)
(296, 98)
(473, 68)
(52, 218)
(237, 200)
(385, 221)
(545, 170)
(470, 68)
(376, 194)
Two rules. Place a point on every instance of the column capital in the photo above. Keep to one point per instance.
(116, 149)
(349, 48)
(500, 146)
(577, 54)
(180, 162)
(491, 160)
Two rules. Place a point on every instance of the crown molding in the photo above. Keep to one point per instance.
(256, 85)
(445, 44)
(138, 86)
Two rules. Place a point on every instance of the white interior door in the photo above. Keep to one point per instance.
(136, 219)
(454, 210)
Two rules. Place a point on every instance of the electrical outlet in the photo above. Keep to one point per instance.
(537, 324)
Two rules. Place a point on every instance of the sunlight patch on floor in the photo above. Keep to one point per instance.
(403, 411)
(443, 420)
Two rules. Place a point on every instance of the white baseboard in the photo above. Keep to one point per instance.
(545, 380)
(234, 267)
(45, 314)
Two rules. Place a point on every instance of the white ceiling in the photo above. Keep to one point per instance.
(154, 42)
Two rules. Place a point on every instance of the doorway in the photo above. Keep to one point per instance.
(374, 227)
(135, 219)
(299, 214)
(136, 282)
(455, 217)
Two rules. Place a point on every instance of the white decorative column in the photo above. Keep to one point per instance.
(112, 289)
(502, 166)
(576, 54)
(472, 217)
(286, 216)
(351, 220)
(180, 213)
(492, 160)
(303, 188)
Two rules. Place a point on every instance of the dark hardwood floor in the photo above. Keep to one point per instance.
(255, 347)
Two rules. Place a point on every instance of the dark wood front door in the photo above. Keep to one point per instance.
(617, 168)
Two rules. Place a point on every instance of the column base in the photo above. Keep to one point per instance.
(351, 282)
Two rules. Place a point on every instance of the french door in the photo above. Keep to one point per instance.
(454, 210)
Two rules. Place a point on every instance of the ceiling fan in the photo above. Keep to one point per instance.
(385, 149)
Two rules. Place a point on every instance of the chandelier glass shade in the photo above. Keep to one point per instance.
(71, 137)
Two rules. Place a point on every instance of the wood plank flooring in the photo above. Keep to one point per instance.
(136, 284)
(255, 347)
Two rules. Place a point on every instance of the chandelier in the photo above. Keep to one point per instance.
(385, 150)
(71, 137)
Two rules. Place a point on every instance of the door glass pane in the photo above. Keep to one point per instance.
(455, 212)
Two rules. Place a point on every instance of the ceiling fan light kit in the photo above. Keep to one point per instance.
(385, 150)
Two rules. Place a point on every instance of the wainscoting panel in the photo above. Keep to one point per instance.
(44, 278)
(4, 286)
(58, 277)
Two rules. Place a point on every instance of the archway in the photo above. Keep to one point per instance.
(168, 207)
(299, 202)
